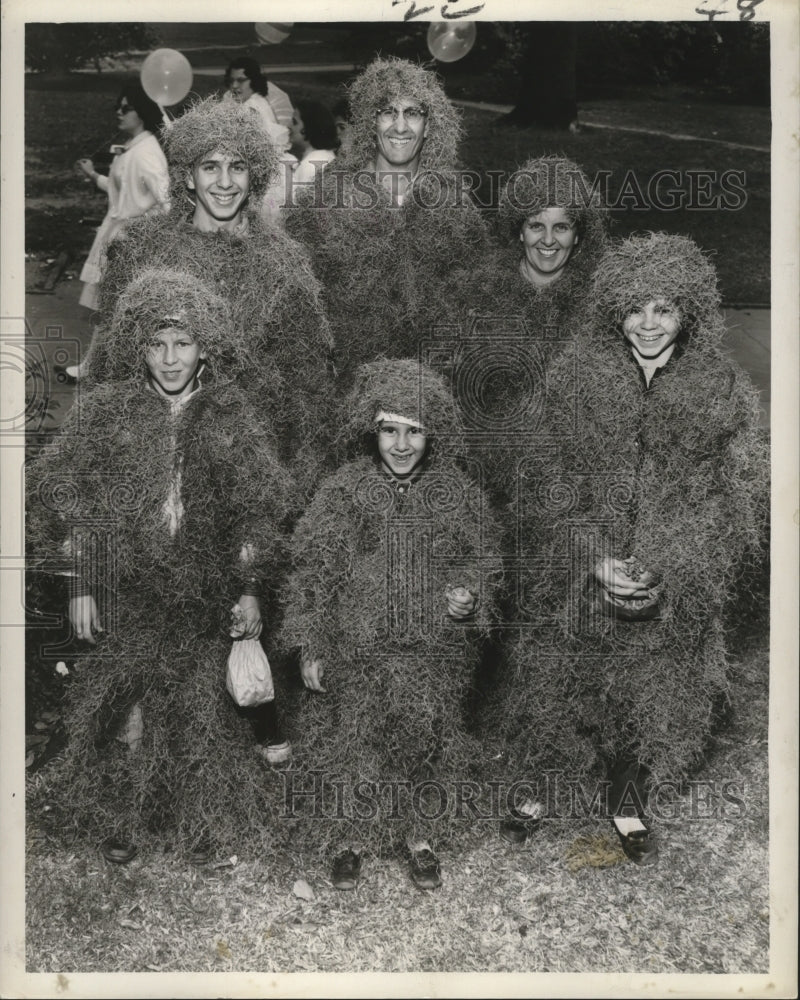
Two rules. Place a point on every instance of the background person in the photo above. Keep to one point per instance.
(137, 184)
(314, 139)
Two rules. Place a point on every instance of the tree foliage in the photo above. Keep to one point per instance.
(60, 48)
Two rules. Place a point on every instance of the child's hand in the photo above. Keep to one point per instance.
(248, 617)
(311, 671)
(461, 603)
(84, 618)
(613, 575)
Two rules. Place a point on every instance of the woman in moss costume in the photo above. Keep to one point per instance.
(165, 494)
(636, 524)
(221, 161)
(395, 574)
(390, 221)
(523, 305)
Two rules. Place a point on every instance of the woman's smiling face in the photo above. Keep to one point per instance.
(548, 238)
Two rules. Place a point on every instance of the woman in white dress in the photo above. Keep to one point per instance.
(137, 184)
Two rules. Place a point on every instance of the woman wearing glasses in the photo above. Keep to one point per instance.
(137, 184)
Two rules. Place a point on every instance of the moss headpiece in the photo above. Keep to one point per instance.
(653, 266)
(157, 298)
(548, 182)
(403, 387)
(225, 125)
(390, 79)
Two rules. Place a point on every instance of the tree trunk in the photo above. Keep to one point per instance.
(548, 92)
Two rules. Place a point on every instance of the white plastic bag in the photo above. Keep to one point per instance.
(249, 679)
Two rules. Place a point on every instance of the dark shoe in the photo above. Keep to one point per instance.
(425, 869)
(518, 826)
(640, 846)
(118, 852)
(346, 869)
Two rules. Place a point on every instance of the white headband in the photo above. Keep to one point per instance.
(395, 418)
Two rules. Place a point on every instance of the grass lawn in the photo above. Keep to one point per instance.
(73, 117)
(568, 901)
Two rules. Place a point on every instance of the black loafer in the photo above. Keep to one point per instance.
(346, 870)
(639, 846)
(118, 852)
(425, 869)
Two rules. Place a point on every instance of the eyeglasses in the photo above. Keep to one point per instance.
(123, 109)
(391, 114)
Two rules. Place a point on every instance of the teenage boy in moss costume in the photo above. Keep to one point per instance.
(220, 161)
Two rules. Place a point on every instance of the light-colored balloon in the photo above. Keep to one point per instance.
(449, 41)
(273, 32)
(166, 76)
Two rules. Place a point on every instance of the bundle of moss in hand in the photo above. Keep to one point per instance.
(164, 498)
(390, 540)
(636, 523)
(390, 222)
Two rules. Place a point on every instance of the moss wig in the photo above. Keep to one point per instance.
(224, 125)
(390, 79)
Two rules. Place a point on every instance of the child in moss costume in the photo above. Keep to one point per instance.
(391, 219)
(220, 161)
(637, 522)
(164, 497)
(395, 575)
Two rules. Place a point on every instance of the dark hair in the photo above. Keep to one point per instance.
(150, 113)
(318, 124)
(341, 109)
(251, 69)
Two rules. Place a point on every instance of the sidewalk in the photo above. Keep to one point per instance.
(55, 322)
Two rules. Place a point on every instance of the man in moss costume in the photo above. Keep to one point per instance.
(390, 220)
(221, 161)
(395, 574)
(164, 492)
(636, 524)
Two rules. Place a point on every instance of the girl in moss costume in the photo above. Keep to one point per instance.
(164, 492)
(395, 574)
(636, 522)
(220, 162)
(391, 220)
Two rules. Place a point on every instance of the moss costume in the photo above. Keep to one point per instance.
(372, 561)
(263, 274)
(170, 510)
(672, 477)
(387, 269)
(512, 330)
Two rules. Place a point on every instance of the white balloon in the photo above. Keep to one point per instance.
(166, 76)
(273, 32)
(449, 41)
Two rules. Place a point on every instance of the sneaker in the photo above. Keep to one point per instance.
(346, 870)
(276, 753)
(425, 869)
